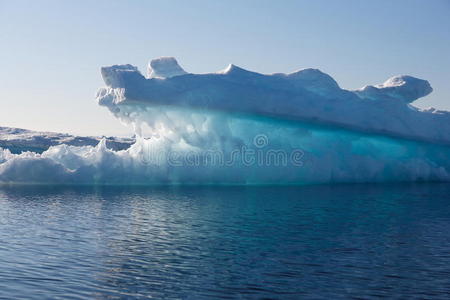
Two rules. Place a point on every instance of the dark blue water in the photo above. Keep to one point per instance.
(321, 242)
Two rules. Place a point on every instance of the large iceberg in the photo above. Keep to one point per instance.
(240, 127)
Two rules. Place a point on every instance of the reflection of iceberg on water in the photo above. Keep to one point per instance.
(242, 127)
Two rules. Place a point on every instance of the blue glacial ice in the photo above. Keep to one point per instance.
(240, 127)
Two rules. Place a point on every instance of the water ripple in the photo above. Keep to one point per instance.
(323, 242)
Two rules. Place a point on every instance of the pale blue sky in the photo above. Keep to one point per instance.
(51, 51)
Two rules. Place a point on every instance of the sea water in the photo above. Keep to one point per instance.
(321, 242)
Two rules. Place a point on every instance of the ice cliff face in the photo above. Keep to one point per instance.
(307, 95)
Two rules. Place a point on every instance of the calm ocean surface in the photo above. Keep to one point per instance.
(321, 242)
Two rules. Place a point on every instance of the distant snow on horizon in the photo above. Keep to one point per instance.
(18, 140)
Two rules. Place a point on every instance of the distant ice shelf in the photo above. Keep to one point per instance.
(18, 140)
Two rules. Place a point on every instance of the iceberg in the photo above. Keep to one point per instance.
(240, 127)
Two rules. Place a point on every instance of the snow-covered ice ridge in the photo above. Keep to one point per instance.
(19, 140)
(308, 95)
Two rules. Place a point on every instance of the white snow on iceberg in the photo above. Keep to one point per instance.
(241, 127)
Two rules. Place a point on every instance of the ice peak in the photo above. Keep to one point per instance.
(112, 75)
(403, 87)
(234, 70)
(164, 67)
(228, 69)
(314, 77)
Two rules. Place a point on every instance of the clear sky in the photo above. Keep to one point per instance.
(51, 51)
